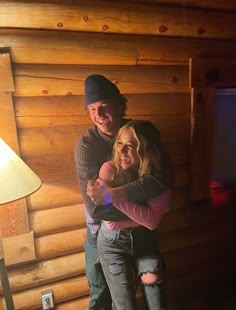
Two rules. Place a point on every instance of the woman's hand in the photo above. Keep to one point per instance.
(98, 192)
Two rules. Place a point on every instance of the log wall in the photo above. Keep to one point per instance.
(145, 49)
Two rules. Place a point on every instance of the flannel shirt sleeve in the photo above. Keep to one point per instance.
(87, 168)
(154, 184)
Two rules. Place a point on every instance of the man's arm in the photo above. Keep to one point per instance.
(143, 188)
(87, 168)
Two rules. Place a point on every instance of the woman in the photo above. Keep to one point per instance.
(132, 244)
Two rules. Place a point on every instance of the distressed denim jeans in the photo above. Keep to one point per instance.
(100, 298)
(123, 252)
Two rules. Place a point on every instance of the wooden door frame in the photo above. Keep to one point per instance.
(205, 76)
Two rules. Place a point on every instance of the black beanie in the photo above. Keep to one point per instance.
(99, 88)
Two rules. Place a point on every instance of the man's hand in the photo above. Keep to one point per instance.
(98, 192)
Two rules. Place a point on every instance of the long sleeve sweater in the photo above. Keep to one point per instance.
(149, 216)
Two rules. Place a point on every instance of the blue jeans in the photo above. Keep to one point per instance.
(121, 253)
(100, 297)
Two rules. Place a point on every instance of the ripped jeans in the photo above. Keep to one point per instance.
(123, 252)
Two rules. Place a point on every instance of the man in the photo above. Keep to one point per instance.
(106, 107)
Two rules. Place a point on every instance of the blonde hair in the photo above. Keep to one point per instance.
(148, 147)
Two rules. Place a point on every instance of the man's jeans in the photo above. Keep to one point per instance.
(123, 251)
(100, 298)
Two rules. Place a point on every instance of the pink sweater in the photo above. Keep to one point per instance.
(149, 216)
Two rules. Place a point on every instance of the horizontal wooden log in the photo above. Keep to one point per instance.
(47, 271)
(206, 4)
(81, 303)
(57, 220)
(201, 280)
(69, 110)
(49, 141)
(214, 72)
(61, 140)
(157, 104)
(50, 195)
(71, 241)
(72, 217)
(55, 194)
(57, 141)
(52, 47)
(57, 80)
(178, 51)
(71, 265)
(114, 18)
(50, 106)
(52, 121)
(62, 243)
(64, 290)
(73, 48)
(49, 169)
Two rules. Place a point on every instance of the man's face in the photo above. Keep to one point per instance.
(106, 116)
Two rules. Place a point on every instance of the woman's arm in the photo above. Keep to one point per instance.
(144, 188)
(149, 216)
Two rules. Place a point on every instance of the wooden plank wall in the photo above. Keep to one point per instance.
(54, 45)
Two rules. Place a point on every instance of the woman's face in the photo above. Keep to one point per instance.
(126, 149)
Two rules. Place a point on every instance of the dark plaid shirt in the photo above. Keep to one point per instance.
(91, 151)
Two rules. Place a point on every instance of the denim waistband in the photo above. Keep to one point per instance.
(123, 231)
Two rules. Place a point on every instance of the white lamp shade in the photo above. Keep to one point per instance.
(17, 180)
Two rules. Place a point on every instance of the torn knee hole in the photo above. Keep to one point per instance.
(149, 278)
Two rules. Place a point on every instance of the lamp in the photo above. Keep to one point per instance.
(17, 180)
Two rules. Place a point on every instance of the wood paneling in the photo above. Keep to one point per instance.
(19, 248)
(52, 47)
(175, 51)
(56, 220)
(7, 83)
(144, 48)
(114, 18)
(55, 194)
(53, 245)
(65, 106)
(68, 289)
(58, 80)
(214, 72)
(77, 48)
(47, 271)
(14, 222)
(201, 137)
(207, 4)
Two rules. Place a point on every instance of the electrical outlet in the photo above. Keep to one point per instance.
(47, 299)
